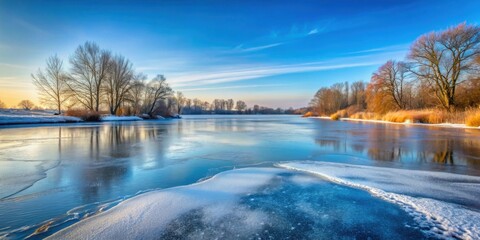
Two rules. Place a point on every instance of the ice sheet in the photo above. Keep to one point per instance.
(432, 198)
(120, 118)
(145, 216)
(16, 176)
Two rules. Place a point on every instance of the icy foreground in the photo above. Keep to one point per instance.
(146, 216)
(432, 198)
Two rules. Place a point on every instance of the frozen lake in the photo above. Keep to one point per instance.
(292, 177)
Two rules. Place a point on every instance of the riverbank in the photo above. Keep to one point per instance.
(421, 117)
(407, 123)
(17, 116)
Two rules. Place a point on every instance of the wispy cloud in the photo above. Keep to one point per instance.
(224, 74)
(233, 87)
(14, 83)
(28, 26)
(313, 31)
(257, 48)
(397, 47)
(8, 65)
(285, 36)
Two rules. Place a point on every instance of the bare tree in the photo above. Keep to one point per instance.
(357, 97)
(156, 91)
(391, 78)
(241, 106)
(137, 92)
(180, 101)
(51, 83)
(118, 82)
(26, 104)
(442, 58)
(230, 104)
(89, 70)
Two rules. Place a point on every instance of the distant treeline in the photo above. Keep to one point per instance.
(442, 70)
(99, 81)
(228, 106)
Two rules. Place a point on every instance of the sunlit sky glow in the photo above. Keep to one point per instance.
(275, 54)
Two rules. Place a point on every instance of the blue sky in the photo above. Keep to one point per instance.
(273, 53)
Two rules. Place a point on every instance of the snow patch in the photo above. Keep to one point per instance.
(146, 216)
(15, 116)
(437, 195)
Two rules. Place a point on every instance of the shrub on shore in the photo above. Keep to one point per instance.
(335, 116)
(85, 115)
(309, 114)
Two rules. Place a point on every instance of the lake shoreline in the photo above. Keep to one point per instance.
(441, 125)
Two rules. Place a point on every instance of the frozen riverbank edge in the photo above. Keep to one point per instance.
(441, 125)
(17, 117)
(439, 219)
(147, 215)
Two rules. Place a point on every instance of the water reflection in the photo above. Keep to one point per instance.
(66, 166)
(396, 143)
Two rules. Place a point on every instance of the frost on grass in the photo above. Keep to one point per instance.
(445, 205)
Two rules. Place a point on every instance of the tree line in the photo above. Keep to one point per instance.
(441, 70)
(98, 79)
(228, 106)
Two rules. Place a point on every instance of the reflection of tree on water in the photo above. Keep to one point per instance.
(404, 144)
(109, 154)
(444, 154)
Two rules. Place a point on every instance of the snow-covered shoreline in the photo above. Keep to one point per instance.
(442, 125)
(18, 116)
(417, 192)
(15, 116)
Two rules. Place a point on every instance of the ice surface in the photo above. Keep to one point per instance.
(15, 116)
(16, 176)
(432, 198)
(120, 118)
(147, 215)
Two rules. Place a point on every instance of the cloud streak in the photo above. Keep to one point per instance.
(225, 74)
(258, 48)
(233, 87)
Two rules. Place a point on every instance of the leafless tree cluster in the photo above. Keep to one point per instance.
(2, 105)
(441, 70)
(99, 79)
(26, 105)
(328, 100)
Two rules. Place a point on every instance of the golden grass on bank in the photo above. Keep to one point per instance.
(472, 118)
(345, 113)
(309, 114)
(431, 116)
(335, 116)
(366, 116)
